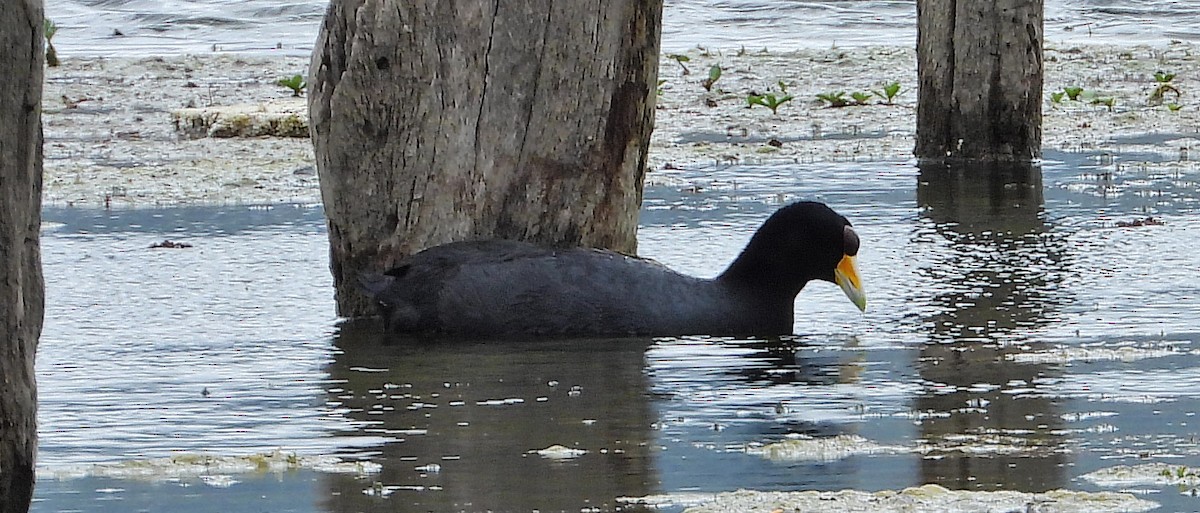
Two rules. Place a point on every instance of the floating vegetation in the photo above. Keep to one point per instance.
(1068, 354)
(1146, 221)
(807, 448)
(559, 452)
(378, 489)
(281, 118)
(1164, 86)
(930, 497)
(217, 468)
(170, 244)
(1147, 474)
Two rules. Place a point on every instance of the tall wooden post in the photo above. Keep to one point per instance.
(21, 293)
(979, 67)
(443, 120)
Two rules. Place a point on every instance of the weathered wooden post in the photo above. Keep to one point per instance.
(436, 121)
(21, 292)
(979, 67)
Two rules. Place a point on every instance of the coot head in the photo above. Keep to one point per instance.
(801, 242)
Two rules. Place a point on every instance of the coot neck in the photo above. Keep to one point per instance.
(765, 273)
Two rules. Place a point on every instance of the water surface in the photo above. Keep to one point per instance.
(152, 27)
(1017, 337)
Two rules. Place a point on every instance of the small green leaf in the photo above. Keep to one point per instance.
(1073, 92)
(680, 58)
(1056, 97)
(49, 29)
(714, 74)
(1106, 101)
(835, 99)
(768, 100)
(889, 92)
(296, 83)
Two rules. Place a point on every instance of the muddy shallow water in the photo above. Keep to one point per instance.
(1015, 341)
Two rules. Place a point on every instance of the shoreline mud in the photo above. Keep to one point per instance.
(111, 141)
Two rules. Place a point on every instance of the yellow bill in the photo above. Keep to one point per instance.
(846, 276)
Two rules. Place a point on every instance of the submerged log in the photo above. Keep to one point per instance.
(441, 121)
(979, 69)
(21, 294)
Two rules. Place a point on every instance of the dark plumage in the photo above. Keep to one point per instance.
(502, 288)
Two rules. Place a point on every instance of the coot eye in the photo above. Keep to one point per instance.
(850, 241)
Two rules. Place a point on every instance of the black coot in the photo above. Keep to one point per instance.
(505, 289)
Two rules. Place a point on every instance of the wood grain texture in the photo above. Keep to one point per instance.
(21, 289)
(438, 121)
(979, 67)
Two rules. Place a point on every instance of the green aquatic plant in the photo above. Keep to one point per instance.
(1057, 97)
(680, 58)
(49, 29)
(889, 92)
(1107, 101)
(770, 100)
(1164, 86)
(1179, 473)
(1174, 107)
(860, 98)
(834, 99)
(1073, 93)
(296, 83)
(714, 74)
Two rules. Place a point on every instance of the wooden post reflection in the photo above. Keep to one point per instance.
(479, 410)
(993, 286)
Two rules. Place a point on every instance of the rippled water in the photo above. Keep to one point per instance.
(1020, 337)
(90, 27)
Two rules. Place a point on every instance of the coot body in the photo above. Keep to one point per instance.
(504, 289)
